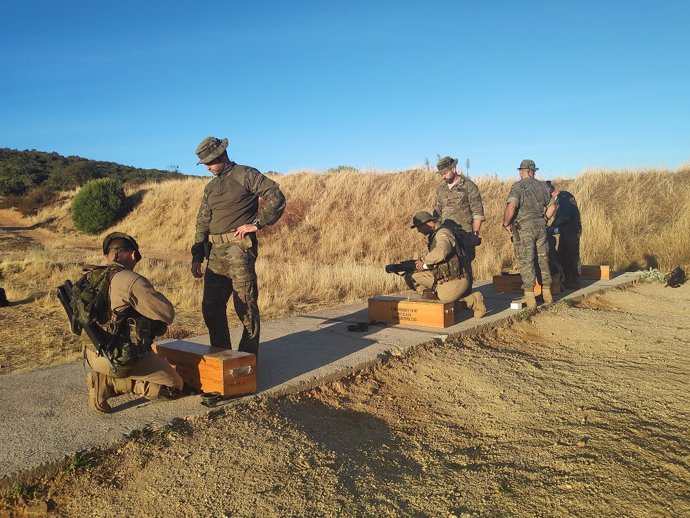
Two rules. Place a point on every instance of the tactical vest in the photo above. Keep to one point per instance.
(451, 268)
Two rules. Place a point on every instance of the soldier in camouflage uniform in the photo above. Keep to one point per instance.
(528, 206)
(459, 206)
(228, 220)
(439, 273)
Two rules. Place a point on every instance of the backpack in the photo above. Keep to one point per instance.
(91, 297)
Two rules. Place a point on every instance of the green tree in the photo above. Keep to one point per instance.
(97, 205)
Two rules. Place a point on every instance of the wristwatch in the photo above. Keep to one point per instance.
(476, 232)
(257, 224)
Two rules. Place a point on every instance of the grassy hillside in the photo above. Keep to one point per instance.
(337, 233)
(29, 179)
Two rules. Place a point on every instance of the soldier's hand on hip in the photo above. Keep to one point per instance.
(245, 229)
(196, 270)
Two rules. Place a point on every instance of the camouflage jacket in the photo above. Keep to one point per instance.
(460, 204)
(231, 199)
(531, 198)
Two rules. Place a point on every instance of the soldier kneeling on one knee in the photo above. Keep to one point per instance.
(439, 273)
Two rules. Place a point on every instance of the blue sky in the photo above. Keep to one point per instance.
(317, 84)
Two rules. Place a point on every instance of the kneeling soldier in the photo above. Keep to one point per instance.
(146, 313)
(439, 273)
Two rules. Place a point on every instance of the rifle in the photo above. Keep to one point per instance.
(99, 338)
(402, 267)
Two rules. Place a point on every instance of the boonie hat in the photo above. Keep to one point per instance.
(446, 163)
(420, 218)
(210, 149)
(528, 164)
(121, 235)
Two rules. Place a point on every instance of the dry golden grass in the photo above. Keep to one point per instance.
(330, 246)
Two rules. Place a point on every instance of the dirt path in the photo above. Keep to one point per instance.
(582, 411)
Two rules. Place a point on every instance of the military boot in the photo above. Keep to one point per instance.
(475, 302)
(100, 389)
(429, 294)
(530, 299)
(546, 293)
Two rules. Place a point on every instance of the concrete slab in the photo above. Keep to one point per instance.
(45, 417)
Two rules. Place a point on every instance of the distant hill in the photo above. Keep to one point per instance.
(29, 179)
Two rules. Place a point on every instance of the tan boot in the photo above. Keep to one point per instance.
(475, 302)
(546, 293)
(100, 389)
(530, 299)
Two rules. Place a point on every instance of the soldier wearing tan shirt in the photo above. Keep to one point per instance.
(440, 273)
(148, 375)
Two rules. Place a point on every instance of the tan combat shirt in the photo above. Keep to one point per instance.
(443, 247)
(129, 289)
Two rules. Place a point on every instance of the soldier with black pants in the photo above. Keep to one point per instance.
(228, 220)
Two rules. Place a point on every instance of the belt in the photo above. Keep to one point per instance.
(230, 237)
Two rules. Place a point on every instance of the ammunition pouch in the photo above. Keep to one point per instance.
(131, 338)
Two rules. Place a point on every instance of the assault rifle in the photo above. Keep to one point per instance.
(402, 267)
(98, 336)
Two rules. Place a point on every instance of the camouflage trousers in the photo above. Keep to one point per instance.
(470, 254)
(569, 254)
(230, 272)
(554, 261)
(530, 243)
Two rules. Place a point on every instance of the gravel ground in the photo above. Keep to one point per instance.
(581, 410)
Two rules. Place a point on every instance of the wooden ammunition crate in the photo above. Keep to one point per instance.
(596, 272)
(210, 369)
(415, 312)
(512, 283)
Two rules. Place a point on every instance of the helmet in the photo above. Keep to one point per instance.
(121, 235)
(420, 218)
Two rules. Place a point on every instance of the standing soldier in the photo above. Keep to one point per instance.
(227, 223)
(528, 206)
(568, 226)
(459, 206)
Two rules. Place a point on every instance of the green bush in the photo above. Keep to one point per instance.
(97, 205)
